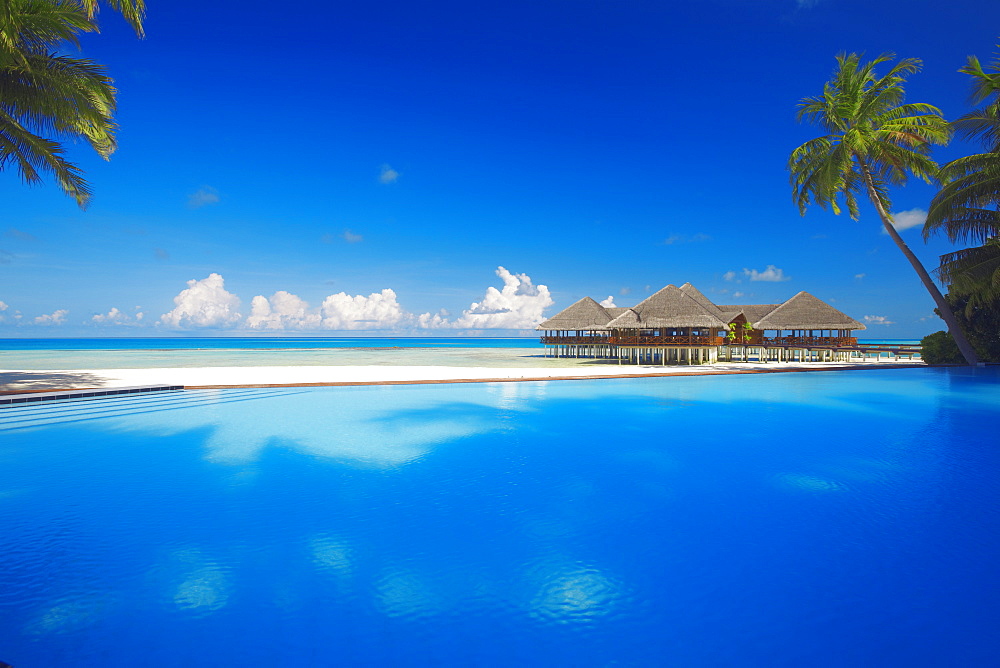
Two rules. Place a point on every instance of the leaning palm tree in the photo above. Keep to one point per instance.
(874, 139)
(966, 207)
(46, 97)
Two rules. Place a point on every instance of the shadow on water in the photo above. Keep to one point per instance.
(20, 381)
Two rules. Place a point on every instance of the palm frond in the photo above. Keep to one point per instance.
(974, 273)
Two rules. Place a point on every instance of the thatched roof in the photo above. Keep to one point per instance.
(669, 307)
(585, 314)
(629, 319)
(696, 294)
(803, 311)
(752, 312)
(686, 306)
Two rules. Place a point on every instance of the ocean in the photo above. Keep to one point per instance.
(187, 352)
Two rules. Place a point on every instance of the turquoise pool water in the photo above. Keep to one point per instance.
(821, 519)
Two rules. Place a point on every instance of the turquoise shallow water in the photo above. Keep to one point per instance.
(842, 518)
(151, 353)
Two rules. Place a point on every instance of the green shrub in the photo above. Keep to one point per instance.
(940, 348)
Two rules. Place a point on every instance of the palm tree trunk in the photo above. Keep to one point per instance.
(943, 307)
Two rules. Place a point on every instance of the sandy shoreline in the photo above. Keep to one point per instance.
(264, 376)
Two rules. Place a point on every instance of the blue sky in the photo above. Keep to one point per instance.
(325, 166)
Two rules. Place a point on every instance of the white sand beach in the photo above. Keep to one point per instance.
(249, 376)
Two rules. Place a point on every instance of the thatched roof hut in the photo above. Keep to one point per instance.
(804, 311)
(751, 312)
(687, 307)
(584, 315)
(669, 307)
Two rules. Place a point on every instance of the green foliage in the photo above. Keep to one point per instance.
(940, 348)
(973, 274)
(967, 208)
(873, 138)
(47, 98)
(981, 324)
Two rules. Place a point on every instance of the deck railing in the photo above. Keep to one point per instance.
(575, 340)
(791, 341)
(650, 340)
(667, 340)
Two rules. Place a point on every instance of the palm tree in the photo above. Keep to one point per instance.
(873, 140)
(133, 11)
(966, 208)
(45, 96)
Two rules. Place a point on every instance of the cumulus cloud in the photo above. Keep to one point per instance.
(3, 307)
(203, 196)
(518, 305)
(904, 220)
(878, 320)
(205, 303)
(609, 302)
(57, 317)
(388, 175)
(113, 317)
(859, 276)
(379, 310)
(771, 274)
(282, 311)
(351, 237)
(729, 276)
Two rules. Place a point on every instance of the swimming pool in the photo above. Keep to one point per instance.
(833, 518)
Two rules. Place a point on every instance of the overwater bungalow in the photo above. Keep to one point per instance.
(682, 326)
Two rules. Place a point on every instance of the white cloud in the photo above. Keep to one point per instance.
(388, 175)
(3, 306)
(379, 310)
(282, 311)
(904, 220)
(609, 302)
(57, 317)
(878, 320)
(729, 276)
(624, 291)
(519, 305)
(771, 274)
(203, 196)
(204, 303)
(859, 276)
(351, 237)
(113, 317)
(738, 294)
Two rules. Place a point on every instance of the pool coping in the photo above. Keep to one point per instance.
(36, 396)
